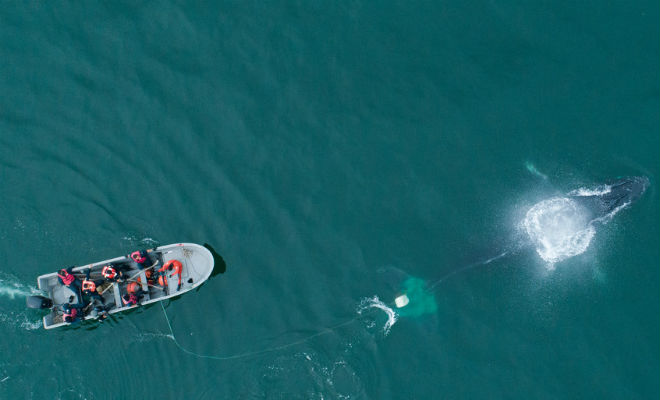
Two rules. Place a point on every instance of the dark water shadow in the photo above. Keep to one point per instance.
(219, 266)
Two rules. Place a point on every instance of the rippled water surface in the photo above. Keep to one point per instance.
(337, 155)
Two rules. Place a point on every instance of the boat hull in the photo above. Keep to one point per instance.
(197, 265)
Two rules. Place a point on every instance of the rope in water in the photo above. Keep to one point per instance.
(325, 331)
(256, 352)
(466, 268)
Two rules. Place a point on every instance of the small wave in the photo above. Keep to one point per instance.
(374, 302)
(146, 241)
(149, 336)
(560, 228)
(31, 325)
(20, 320)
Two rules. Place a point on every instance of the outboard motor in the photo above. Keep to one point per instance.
(39, 302)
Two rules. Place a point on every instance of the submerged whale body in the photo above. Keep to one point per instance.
(562, 227)
(611, 197)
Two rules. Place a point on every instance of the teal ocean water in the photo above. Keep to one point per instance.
(337, 155)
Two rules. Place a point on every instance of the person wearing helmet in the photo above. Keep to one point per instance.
(89, 287)
(114, 273)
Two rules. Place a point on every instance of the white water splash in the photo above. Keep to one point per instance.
(608, 217)
(10, 286)
(29, 325)
(146, 241)
(375, 302)
(560, 228)
(597, 191)
(12, 292)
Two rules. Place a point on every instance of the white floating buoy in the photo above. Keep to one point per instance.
(401, 301)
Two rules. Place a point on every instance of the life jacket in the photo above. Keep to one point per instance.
(138, 257)
(109, 272)
(132, 299)
(133, 288)
(67, 278)
(88, 286)
(70, 313)
(162, 280)
(150, 277)
(173, 265)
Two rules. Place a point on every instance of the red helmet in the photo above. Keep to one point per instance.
(109, 272)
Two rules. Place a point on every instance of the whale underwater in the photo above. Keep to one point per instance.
(611, 197)
(559, 228)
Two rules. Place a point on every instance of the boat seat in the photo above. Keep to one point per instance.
(145, 285)
(115, 288)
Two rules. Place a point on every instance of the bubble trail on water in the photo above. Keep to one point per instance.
(12, 287)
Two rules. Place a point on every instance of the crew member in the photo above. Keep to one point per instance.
(142, 258)
(129, 299)
(100, 312)
(72, 313)
(114, 273)
(172, 267)
(134, 294)
(89, 287)
(67, 278)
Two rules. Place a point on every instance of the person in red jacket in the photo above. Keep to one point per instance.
(171, 268)
(89, 287)
(72, 313)
(68, 279)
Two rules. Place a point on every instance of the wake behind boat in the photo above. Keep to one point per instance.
(160, 274)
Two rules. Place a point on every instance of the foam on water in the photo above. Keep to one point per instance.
(12, 292)
(606, 218)
(560, 228)
(136, 241)
(597, 191)
(374, 302)
(20, 320)
(10, 286)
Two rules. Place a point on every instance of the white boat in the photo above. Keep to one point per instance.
(197, 265)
